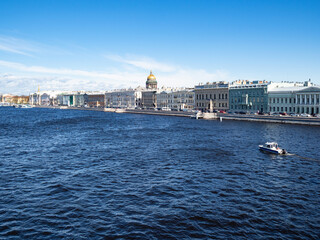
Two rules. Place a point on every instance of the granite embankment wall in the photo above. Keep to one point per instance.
(210, 116)
(272, 119)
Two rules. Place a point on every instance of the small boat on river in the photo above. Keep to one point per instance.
(272, 147)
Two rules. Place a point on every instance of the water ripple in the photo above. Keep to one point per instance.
(94, 175)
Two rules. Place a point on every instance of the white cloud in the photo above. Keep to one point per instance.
(171, 74)
(61, 71)
(25, 84)
(17, 46)
(27, 78)
(132, 72)
(142, 62)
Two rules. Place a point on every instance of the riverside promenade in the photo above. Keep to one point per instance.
(271, 119)
(312, 121)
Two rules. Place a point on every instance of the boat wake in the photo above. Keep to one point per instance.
(304, 158)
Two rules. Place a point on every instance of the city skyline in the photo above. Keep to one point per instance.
(103, 45)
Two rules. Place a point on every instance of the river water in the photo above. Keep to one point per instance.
(93, 175)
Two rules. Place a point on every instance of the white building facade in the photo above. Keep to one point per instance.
(308, 100)
(182, 99)
(124, 98)
(294, 98)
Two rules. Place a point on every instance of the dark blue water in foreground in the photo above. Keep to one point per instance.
(93, 175)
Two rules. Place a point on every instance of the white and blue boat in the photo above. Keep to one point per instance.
(272, 147)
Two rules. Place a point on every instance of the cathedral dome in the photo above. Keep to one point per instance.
(151, 81)
(151, 77)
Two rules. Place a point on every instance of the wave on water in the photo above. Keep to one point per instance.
(96, 175)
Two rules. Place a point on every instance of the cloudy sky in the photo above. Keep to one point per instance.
(102, 45)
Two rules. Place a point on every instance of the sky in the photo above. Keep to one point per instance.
(104, 45)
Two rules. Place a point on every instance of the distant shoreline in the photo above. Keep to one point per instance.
(208, 116)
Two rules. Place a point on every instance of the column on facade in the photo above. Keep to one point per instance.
(305, 99)
(310, 99)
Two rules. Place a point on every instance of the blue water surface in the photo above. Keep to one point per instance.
(71, 174)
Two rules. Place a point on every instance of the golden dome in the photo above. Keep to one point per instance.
(151, 77)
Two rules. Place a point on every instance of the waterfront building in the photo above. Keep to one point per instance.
(149, 96)
(149, 99)
(308, 100)
(249, 96)
(80, 99)
(7, 98)
(282, 100)
(212, 96)
(281, 96)
(124, 98)
(71, 99)
(48, 98)
(65, 99)
(33, 99)
(151, 81)
(95, 99)
(58, 98)
(162, 99)
(13, 99)
(301, 97)
(40, 98)
(181, 99)
(20, 99)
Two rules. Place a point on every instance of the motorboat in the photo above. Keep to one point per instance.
(197, 115)
(272, 147)
(26, 106)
